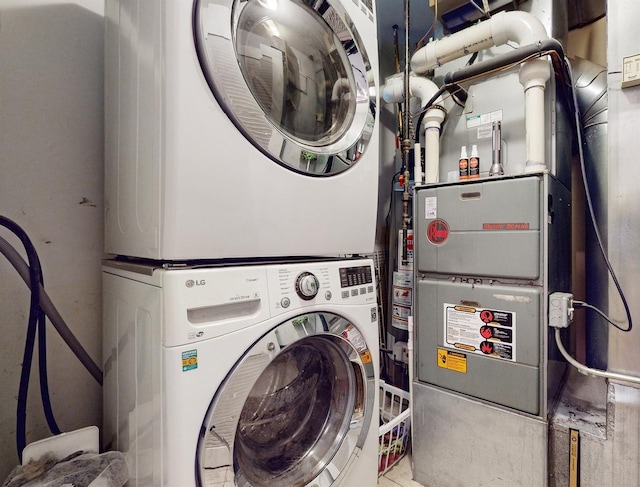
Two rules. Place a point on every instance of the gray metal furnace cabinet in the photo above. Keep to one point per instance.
(487, 253)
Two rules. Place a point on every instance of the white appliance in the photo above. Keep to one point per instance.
(240, 129)
(243, 376)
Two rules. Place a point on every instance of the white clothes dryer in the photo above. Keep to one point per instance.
(254, 376)
(241, 128)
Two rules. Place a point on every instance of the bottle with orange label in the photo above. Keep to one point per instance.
(474, 163)
(463, 165)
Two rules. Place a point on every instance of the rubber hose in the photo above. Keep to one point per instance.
(49, 308)
(32, 277)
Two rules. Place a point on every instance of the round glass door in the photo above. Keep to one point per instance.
(293, 77)
(293, 410)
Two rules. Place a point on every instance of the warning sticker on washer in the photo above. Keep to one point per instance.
(189, 360)
(366, 357)
(352, 334)
(481, 331)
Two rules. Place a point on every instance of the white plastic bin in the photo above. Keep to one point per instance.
(395, 419)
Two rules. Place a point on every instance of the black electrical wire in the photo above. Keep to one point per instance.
(592, 215)
(393, 180)
(582, 304)
(426, 107)
(35, 315)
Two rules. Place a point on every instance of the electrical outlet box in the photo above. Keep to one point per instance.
(631, 71)
(560, 309)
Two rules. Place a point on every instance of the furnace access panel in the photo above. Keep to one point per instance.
(486, 254)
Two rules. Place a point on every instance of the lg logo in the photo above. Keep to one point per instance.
(192, 283)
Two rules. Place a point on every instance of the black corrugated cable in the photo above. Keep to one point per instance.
(34, 312)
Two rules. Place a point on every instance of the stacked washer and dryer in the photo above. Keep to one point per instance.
(240, 320)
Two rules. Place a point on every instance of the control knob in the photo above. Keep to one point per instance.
(307, 286)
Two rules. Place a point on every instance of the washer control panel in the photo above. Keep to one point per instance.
(307, 285)
(295, 285)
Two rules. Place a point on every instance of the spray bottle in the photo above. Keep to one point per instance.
(474, 163)
(463, 165)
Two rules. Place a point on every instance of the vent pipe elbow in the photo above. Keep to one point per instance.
(519, 27)
(419, 87)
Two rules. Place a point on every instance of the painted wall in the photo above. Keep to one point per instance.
(51, 184)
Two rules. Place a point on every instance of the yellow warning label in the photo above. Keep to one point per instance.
(466, 309)
(366, 357)
(450, 360)
(464, 346)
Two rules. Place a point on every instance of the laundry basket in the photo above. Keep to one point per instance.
(395, 425)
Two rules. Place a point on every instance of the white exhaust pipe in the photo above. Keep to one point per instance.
(423, 89)
(521, 28)
(533, 77)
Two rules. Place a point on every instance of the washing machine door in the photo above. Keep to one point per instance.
(293, 77)
(294, 410)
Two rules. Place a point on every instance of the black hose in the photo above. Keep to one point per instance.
(34, 311)
(54, 315)
(43, 372)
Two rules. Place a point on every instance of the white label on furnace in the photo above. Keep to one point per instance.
(484, 132)
(484, 118)
(430, 208)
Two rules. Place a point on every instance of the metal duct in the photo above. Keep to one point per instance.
(590, 82)
(583, 12)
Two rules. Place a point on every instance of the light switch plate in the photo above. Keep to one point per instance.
(631, 71)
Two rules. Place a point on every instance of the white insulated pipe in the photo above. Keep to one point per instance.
(432, 153)
(534, 75)
(519, 27)
(423, 89)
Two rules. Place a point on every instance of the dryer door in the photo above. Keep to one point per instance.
(293, 77)
(293, 411)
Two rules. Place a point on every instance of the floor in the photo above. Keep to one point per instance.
(399, 475)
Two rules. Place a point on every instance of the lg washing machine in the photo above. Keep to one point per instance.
(240, 128)
(252, 376)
